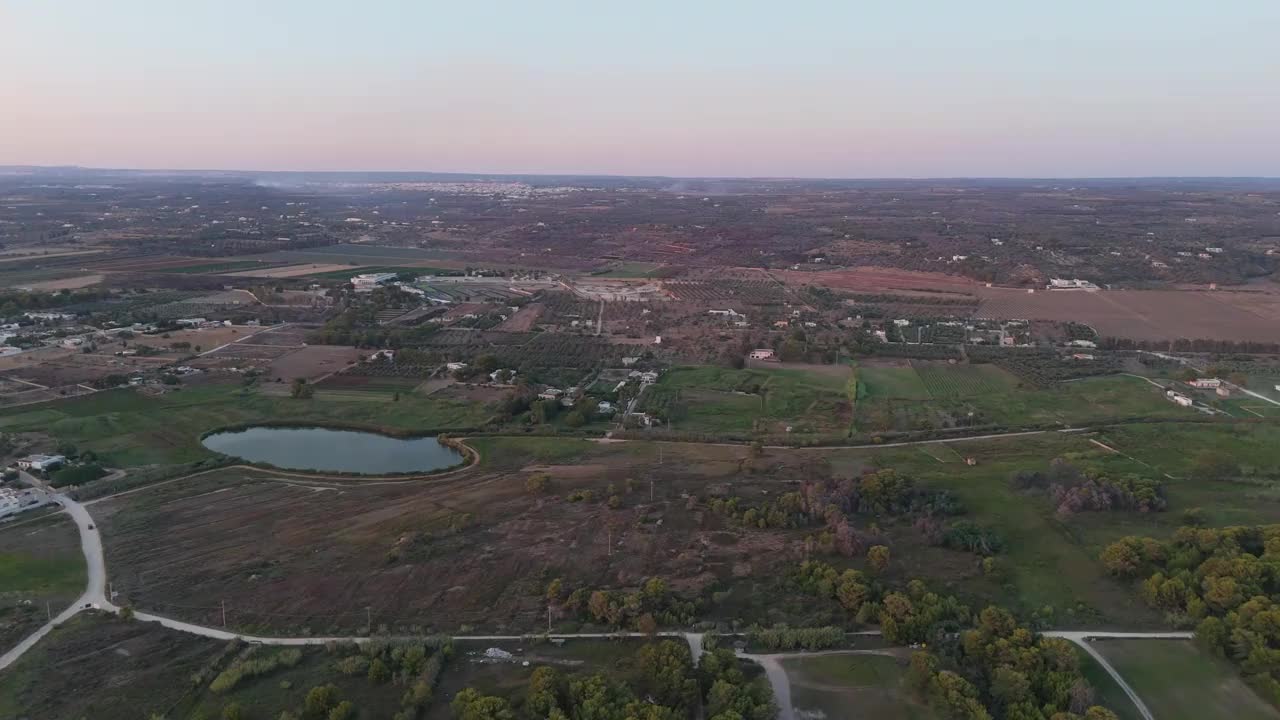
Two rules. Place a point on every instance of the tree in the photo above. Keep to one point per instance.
(300, 390)
(555, 589)
(344, 710)
(320, 700)
(378, 672)
(878, 558)
(232, 711)
(647, 625)
(470, 704)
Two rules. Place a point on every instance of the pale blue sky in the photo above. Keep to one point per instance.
(835, 89)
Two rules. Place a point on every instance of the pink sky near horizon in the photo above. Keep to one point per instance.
(232, 96)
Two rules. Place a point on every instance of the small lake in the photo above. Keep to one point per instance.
(328, 450)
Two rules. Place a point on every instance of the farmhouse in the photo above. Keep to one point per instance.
(763, 354)
(366, 282)
(1179, 398)
(1072, 284)
(1205, 383)
(41, 462)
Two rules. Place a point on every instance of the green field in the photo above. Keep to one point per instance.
(365, 269)
(938, 395)
(127, 428)
(899, 383)
(628, 270)
(837, 686)
(222, 267)
(720, 400)
(41, 556)
(41, 571)
(1106, 692)
(948, 381)
(1178, 681)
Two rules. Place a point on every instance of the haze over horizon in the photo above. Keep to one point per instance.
(714, 90)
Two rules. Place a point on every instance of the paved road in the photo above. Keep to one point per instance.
(95, 587)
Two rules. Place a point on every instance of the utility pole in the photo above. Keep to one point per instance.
(548, 618)
(610, 527)
(224, 613)
(650, 489)
(48, 610)
(369, 614)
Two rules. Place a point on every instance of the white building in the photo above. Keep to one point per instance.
(762, 354)
(1072, 284)
(41, 462)
(366, 282)
(1179, 398)
(1205, 383)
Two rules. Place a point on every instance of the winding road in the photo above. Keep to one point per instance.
(95, 597)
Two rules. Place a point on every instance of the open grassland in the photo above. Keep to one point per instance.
(869, 686)
(711, 399)
(127, 428)
(96, 666)
(898, 383)
(629, 270)
(938, 395)
(225, 266)
(41, 571)
(1106, 691)
(1178, 681)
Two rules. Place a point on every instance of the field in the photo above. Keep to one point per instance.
(41, 570)
(717, 400)
(1178, 681)
(289, 271)
(628, 270)
(70, 283)
(348, 271)
(99, 667)
(220, 267)
(314, 361)
(834, 686)
(931, 394)
(1146, 314)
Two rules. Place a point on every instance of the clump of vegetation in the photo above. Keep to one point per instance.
(1221, 581)
(664, 687)
(643, 610)
(781, 637)
(1000, 669)
(247, 668)
(1073, 489)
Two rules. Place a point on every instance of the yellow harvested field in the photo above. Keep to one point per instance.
(71, 283)
(289, 271)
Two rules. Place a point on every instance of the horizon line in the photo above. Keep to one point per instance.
(814, 178)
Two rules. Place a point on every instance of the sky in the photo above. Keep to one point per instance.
(850, 88)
